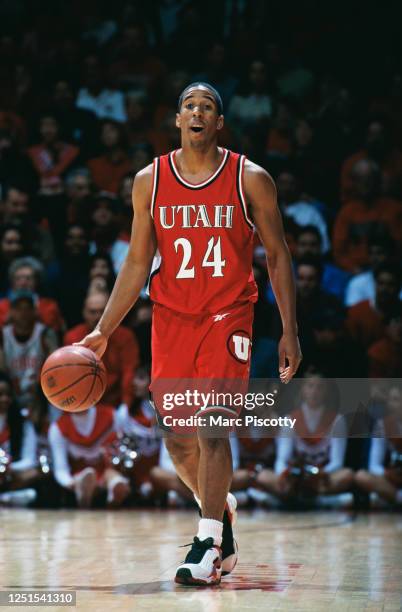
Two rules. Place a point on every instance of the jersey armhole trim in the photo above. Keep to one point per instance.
(155, 183)
(240, 189)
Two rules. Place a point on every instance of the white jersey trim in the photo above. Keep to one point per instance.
(204, 183)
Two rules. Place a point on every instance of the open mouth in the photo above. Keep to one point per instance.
(196, 128)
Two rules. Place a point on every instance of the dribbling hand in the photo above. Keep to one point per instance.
(95, 341)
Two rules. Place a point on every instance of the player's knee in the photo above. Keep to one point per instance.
(180, 448)
(362, 478)
(214, 444)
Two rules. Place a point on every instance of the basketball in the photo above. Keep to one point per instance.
(73, 378)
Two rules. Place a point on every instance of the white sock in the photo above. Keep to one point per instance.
(210, 528)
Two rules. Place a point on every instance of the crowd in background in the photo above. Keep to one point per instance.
(88, 97)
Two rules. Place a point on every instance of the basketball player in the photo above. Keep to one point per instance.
(197, 208)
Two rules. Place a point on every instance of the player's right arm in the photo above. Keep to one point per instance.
(135, 269)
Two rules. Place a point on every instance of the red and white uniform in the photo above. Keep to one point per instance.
(201, 283)
(318, 438)
(387, 440)
(23, 361)
(142, 426)
(79, 440)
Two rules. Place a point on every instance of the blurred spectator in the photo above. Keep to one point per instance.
(315, 447)
(18, 444)
(121, 356)
(362, 286)
(279, 144)
(94, 96)
(138, 421)
(308, 243)
(11, 247)
(79, 190)
(385, 355)
(51, 158)
(79, 125)
(126, 197)
(135, 64)
(384, 474)
(312, 300)
(251, 106)
(218, 72)
(101, 276)
(108, 169)
(79, 444)
(18, 210)
(27, 273)
(13, 163)
(25, 345)
(106, 234)
(72, 271)
(378, 148)
(365, 320)
(356, 218)
(139, 320)
(303, 213)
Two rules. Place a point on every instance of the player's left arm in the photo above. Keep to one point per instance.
(260, 194)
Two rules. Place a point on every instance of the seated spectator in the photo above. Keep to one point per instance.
(24, 346)
(385, 355)
(11, 247)
(126, 198)
(311, 299)
(121, 356)
(365, 321)
(218, 72)
(135, 64)
(165, 481)
(138, 127)
(18, 211)
(108, 169)
(310, 457)
(52, 157)
(362, 286)
(106, 233)
(378, 148)
(79, 445)
(303, 213)
(384, 474)
(14, 163)
(332, 349)
(105, 102)
(79, 124)
(18, 445)
(279, 143)
(26, 273)
(101, 277)
(333, 278)
(138, 421)
(359, 215)
(251, 106)
(71, 271)
(79, 190)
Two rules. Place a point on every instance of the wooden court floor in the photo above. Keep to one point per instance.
(126, 560)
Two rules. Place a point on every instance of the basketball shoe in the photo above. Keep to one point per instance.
(229, 545)
(202, 565)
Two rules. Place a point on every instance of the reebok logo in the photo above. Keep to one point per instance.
(219, 317)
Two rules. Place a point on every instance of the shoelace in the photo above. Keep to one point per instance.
(198, 549)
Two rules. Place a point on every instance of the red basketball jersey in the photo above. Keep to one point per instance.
(204, 238)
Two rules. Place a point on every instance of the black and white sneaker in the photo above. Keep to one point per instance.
(202, 565)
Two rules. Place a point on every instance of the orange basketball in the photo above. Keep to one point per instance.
(73, 378)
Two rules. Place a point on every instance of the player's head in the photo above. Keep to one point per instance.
(199, 113)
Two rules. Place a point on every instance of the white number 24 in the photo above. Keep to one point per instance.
(212, 258)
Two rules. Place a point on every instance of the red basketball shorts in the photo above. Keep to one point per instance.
(208, 352)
